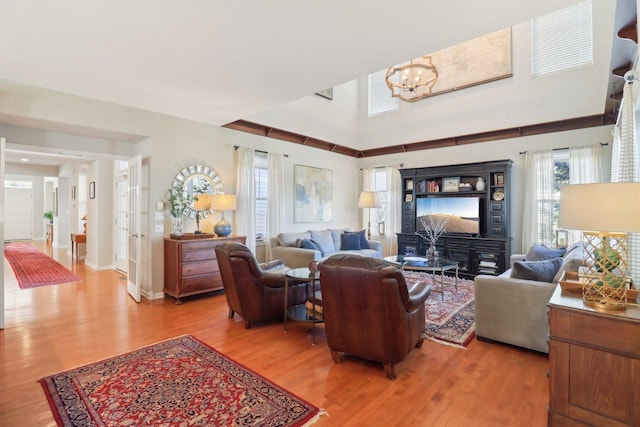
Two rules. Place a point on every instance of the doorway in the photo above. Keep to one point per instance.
(18, 219)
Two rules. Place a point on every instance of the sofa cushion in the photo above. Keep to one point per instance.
(324, 239)
(539, 252)
(291, 239)
(572, 261)
(363, 238)
(350, 242)
(310, 244)
(541, 271)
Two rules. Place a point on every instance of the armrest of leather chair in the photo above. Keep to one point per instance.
(418, 294)
(276, 263)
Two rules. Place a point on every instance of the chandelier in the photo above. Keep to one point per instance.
(413, 80)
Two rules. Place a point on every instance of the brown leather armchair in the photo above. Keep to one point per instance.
(369, 312)
(253, 293)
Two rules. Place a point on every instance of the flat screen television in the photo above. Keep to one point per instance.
(462, 213)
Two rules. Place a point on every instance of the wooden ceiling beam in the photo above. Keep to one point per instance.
(514, 132)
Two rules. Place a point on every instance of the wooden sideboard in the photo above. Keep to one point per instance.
(594, 359)
(191, 266)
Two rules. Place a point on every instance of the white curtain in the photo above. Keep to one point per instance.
(275, 212)
(393, 206)
(537, 224)
(245, 213)
(585, 167)
(394, 211)
(368, 184)
(625, 165)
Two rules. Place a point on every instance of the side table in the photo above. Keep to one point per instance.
(300, 312)
(76, 238)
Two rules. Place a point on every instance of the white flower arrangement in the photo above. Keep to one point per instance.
(434, 228)
(180, 200)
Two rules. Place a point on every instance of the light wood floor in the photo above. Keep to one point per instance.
(55, 328)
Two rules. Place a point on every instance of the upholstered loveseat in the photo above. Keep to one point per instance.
(298, 249)
(512, 307)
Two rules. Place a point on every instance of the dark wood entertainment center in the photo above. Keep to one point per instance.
(488, 251)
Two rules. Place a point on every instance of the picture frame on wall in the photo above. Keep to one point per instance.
(73, 192)
(408, 198)
(451, 183)
(313, 194)
(409, 185)
(92, 190)
(55, 201)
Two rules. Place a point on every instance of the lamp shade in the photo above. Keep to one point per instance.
(369, 199)
(223, 202)
(612, 207)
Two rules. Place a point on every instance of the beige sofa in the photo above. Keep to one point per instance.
(514, 311)
(286, 246)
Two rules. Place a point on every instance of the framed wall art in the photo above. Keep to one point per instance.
(92, 190)
(451, 183)
(313, 194)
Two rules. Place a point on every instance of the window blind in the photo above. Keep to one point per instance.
(562, 40)
(380, 99)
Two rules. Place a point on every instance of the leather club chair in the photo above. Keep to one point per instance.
(369, 312)
(254, 293)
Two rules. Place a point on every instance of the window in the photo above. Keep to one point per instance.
(261, 186)
(562, 40)
(380, 185)
(380, 99)
(560, 178)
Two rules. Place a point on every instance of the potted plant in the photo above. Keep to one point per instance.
(49, 216)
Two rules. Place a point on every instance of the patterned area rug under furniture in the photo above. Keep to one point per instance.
(181, 381)
(34, 268)
(451, 320)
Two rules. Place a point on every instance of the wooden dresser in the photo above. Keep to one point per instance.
(594, 359)
(191, 267)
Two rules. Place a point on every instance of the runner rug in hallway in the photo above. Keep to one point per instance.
(450, 320)
(181, 381)
(33, 268)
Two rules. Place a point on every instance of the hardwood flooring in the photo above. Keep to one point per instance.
(55, 328)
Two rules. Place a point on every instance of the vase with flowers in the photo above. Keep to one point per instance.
(180, 200)
(434, 226)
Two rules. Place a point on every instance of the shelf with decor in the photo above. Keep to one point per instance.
(474, 196)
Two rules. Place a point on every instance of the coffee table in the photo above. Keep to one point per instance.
(434, 266)
(300, 312)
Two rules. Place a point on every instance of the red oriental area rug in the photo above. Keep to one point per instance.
(33, 268)
(451, 320)
(178, 382)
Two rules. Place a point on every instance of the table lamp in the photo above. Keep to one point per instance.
(223, 202)
(604, 213)
(369, 199)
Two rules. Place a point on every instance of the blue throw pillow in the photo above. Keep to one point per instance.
(364, 244)
(350, 241)
(539, 252)
(310, 244)
(541, 271)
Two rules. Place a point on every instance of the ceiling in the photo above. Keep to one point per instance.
(221, 61)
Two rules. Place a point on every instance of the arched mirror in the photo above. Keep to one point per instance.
(200, 182)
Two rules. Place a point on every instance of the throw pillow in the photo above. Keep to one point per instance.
(336, 235)
(310, 244)
(324, 239)
(541, 271)
(364, 244)
(539, 252)
(350, 241)
(291, 239)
